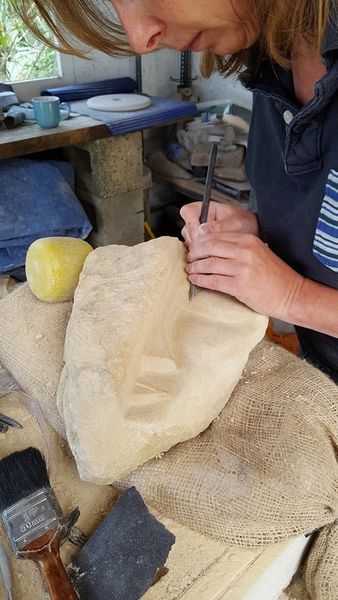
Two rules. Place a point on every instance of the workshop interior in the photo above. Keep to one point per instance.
(165, 431)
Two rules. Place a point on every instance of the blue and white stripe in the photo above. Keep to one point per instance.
(325, 245)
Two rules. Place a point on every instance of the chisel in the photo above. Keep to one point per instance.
(206, 200)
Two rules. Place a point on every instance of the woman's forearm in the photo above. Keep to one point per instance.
(315, 306)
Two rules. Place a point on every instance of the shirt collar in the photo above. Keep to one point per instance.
(330, 41)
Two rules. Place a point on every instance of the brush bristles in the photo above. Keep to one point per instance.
(21, 474)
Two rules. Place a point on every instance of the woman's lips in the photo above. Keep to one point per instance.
(193, 44)
(196, 44)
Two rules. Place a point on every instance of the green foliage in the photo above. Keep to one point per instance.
(22, 56)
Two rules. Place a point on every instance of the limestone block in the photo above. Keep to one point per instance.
(145, 368)
(167, 169)
(231, 159)
(108, 165)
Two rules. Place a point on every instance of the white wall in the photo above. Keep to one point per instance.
(77, 70)
(157, 69)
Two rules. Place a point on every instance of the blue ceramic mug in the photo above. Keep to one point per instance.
(49, 111)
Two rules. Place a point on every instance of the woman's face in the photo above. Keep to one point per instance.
(222, 26)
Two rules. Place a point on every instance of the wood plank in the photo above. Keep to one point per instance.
(203, 568)
(270, 573)
(200, 567)
(30, 138)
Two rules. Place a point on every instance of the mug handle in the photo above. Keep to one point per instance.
(64, 106)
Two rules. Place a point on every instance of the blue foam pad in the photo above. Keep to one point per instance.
(161, 112)
(82, 91)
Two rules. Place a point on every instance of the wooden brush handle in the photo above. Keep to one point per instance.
(45, 551)
(57, 580)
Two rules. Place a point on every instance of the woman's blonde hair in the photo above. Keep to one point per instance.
(94, 23)
(280, 23)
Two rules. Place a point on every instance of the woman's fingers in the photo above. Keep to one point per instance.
(222, 218)
(224, 245)
(219, 283)
(190, 213)
(212, 265)
(189, 233)
(238, 221)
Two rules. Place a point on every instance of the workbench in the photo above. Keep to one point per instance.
(110, 176)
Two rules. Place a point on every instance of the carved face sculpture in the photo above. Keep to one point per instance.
(144, 367)
(223, 26)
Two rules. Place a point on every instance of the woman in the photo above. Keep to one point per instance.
(282, 260)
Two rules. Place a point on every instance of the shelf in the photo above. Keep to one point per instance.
(194, 190)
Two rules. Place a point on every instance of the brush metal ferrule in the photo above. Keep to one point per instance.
(31, 517)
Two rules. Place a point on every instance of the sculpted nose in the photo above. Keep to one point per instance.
(144, 34)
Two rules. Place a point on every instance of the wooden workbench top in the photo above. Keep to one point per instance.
(31, 138)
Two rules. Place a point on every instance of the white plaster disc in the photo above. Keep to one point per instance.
(118, 102)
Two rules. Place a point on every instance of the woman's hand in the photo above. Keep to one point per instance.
(243, 266)
(227, 255)
(222, 218)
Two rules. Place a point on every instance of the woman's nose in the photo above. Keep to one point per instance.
(144, 33)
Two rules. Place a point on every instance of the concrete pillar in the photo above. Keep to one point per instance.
(111, 178)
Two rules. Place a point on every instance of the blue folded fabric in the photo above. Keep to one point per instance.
(82, 91)
(36, 200)
(161, 111)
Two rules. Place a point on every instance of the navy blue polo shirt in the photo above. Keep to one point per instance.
(292, 165)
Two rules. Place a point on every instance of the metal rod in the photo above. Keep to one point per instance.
(185, 74)
(10, 422)
(138, 73)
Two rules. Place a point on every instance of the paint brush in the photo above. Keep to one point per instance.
(33, 518)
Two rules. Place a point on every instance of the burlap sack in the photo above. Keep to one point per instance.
(320, 573)
(32, 337)
(317, 579)
(266, 469)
